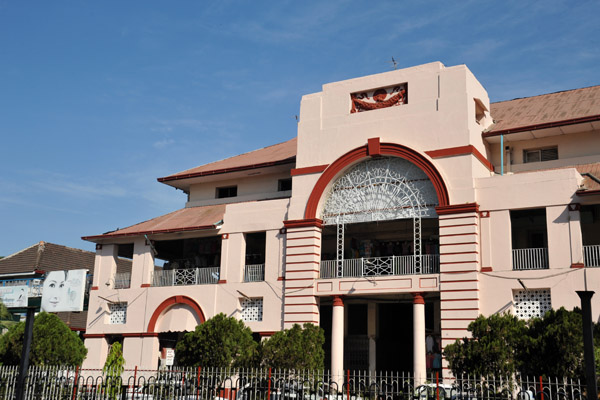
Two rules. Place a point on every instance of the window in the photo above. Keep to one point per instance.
(536, 155)
(252, 309)
(224, 192)
(532, 303)
(118, 313)
(529, 239)
(284, 185)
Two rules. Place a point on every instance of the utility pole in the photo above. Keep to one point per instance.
(588, 343)
(24, 365)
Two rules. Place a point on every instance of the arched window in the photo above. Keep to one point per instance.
(380, 189)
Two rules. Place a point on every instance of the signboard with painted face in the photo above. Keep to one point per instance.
(14, 296)
(64, 290)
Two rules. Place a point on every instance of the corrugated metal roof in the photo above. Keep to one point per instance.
(277, 154)
(185, 219)
(568, 106)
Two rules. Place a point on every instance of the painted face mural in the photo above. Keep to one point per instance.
(55, 291)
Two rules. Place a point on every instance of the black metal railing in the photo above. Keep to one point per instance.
(265, 384)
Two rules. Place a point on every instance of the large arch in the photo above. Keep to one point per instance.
(385, 149)
(170, 302)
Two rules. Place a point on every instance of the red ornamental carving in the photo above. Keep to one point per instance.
(362, 102)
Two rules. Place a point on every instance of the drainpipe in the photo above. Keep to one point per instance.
(501, 155)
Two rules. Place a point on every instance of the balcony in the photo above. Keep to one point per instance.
(188, 276)
(525, 259)
(122, 280)
(591, 256)
(381, 266)
(254, 273)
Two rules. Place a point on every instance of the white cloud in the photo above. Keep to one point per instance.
(161, 144)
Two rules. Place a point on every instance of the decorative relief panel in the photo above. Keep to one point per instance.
(252, 309)
(532, 303)
(379, 98)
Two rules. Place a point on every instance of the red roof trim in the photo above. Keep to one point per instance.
(309, 170)
(112, 235)
(457, 209)
(545, 125)
(459, 151)
(227, 170)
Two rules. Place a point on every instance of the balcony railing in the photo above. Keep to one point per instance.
(190, 276)
(122, 280)
(591, 255)
(382, 266)
(530, 258)
(254, 273)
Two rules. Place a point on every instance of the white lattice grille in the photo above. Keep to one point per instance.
(380, 189)
(252, 309)
(118, 313)
(532, 303)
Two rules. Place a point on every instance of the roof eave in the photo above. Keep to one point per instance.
(591, 118)
(176, 177)
(97, 238)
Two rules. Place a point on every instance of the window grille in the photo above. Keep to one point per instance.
(118, 313)
(532, 303)
(252, 309)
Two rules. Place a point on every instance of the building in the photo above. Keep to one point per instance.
(407, 206)
(29, 266)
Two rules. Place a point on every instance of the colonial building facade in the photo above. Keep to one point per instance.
(406, 206)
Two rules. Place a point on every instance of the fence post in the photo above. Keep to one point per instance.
(198, 382)
(269, 386)
(75, 383)
(541, 389)
(437, 385)
(348, 384)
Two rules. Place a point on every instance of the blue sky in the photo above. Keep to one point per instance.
(98, 99)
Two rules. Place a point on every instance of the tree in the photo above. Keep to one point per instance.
(6, 318)
(296, 348)
(554, 345)
(502, 344)
(115, 363)
(113, 368)
(219, 342)
(492, 350)
(53, 343)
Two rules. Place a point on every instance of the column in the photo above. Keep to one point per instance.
(302, 263)
(577, 259)
(97, 347)
(105, 265)
(142, 263)
(419, 365)
(459, 269)
(372, 333)
(337, 341)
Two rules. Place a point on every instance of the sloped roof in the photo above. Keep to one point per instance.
(185, 219)
(45, 256)
(282, 153)
(544, 111)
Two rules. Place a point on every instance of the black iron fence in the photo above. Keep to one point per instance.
(67, 383)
